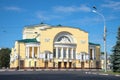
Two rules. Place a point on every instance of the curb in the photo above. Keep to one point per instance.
(117, 75)
(103, 74)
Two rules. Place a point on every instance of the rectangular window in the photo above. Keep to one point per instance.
(30, 56)
(82, 57)
(45, 56)
(74, 54)
(59, 52)
(35, 52)
(90, 54)
(64, 52)
(69, 53)
(54, 53)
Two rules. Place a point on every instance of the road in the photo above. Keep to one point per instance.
(55, 75)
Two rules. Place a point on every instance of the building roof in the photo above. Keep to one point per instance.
(94, 44)
(28, 40)
(36, 25)
(51, 26)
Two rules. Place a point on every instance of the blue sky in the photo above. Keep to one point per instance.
(15, 14)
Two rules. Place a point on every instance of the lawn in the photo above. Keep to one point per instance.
(110, 72)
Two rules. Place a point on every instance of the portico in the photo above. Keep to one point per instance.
(32, 50)
(64, 50)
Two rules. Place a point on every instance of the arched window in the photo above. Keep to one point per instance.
(64, 39)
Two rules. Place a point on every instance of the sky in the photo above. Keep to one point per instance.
(16, 14)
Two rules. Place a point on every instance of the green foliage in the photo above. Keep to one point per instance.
(4, 57)
(102, 53)
(41, 23)
(115, 57)
(59, 25)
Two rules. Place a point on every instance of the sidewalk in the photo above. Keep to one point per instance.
(49, 70)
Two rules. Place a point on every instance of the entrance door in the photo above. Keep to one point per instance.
(35, 64)
(54, 65)
(59, 65)
(82, 65)
(65, 64)
(21, 64)
(46, 64)
(97, 65)
(70, 64)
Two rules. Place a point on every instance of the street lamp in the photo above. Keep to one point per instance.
(104, 39)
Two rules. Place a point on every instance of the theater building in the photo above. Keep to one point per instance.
(45, 46)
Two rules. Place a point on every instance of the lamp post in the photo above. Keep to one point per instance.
(104, 39)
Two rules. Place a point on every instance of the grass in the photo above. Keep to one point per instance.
(111, 72)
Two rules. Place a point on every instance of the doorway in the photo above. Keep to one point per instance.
(82, 65)
(70, 64)
(65, 64)
(46, 64)
(21, 64)
(35, 65)
(59, 65)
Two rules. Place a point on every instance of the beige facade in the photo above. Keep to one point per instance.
(45, 46)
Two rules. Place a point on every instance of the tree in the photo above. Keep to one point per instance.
(115, 57)
(102, 53)
(4, 57)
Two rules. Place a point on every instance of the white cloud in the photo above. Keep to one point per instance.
(87, 21)
(64, 9)
(46, 16)
(112, 4)
(83, 8)
(42, 16)
(95, 20)
(12, 8)
(111, 17)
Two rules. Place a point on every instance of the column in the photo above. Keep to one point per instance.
(32, 52)
(67, 53)
(93, 54)
(84, 57)
(38, 52)
(71, 53)
(80, 56)
(56, 52)
(28, 52)
(62, 52)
